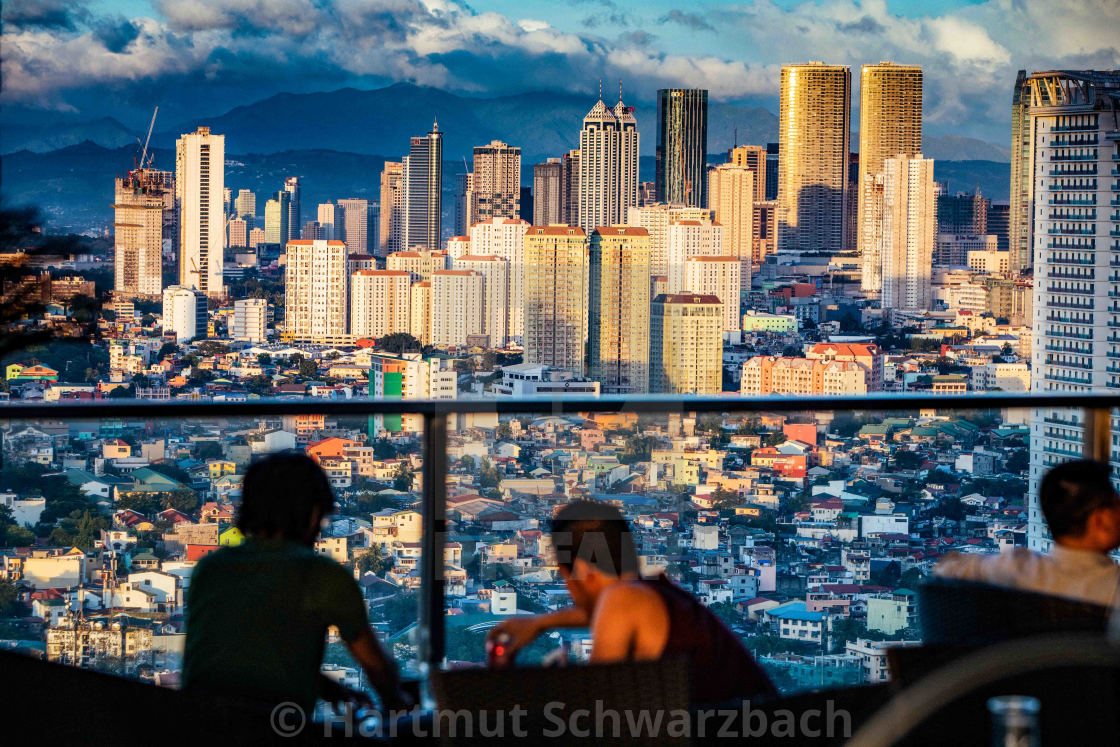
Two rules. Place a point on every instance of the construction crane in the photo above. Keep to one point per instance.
(144, 161)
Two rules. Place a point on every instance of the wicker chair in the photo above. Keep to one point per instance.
(966, 613)
(632, 687)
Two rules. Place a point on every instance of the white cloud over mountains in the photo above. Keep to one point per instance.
(54, 48)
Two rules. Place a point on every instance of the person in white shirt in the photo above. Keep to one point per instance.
(1082, 509)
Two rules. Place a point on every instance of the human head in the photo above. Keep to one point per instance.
(594, 549)
(1081, 506)
(284, 496)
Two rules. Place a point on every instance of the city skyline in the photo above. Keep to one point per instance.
(969, 49)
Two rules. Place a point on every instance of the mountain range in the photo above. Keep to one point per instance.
(380, 121)
(74, 185)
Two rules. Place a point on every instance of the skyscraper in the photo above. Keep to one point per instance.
(890, 123)
(464, 203)
(618, 307)
(1020, 220)
(295, 220)
(143, 218)
(719, 277)
(731, 196)
(772, 158)
(682, 146)
(421, 200)
(496, 182)
(505, 238)
(962, 213)
(316, 292)
(199, 185)
(569, 194)
(1070, 125)
(909, 226)
(656, 219)
(555, 297)
(277, 212)
(389, 239)
(813, 133)
(495, 289)
(456, 307)
(379, 303)
(608, 165)
(245, 205)
(327, 215)
(548, 178)
(752, 157)
(686, 344)
(352, 216)
(690, 238)
(238, 233)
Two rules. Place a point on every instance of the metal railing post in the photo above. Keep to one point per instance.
(1098, 434)
(433, 526)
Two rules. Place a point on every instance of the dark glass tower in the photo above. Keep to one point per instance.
(682, 146)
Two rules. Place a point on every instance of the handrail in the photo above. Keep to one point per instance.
(86, 410)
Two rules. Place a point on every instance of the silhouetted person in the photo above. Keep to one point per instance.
(1082, 510)
(258, 613)
(632, 619)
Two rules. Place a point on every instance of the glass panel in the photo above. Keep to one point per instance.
(103, 523)
(805, 533)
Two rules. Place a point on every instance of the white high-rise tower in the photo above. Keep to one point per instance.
(608, 165)
(199, 188)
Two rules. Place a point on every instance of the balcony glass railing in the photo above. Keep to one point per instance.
(443, 508)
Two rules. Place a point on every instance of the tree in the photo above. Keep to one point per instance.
(906, 460)
(1019, 461)
(264, 359)
(912, 578)
(9, 598)
(466, 365)
(399, 342)
(488, 475)
(383, 449)
(181, 499)
(402, 478)
(142, 503)
(889, 575)
(204, 450)
(373, 561)
(308, 369)
(466, 463)
(19, 537)
(168, 348)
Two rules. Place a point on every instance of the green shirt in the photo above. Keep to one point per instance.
(257, 617)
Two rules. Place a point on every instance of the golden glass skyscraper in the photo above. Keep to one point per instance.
(619, 309)
(813, 137)
(890, 124)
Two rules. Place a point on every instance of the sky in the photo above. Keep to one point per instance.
(102, 57)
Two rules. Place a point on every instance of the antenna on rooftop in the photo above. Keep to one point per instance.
(620, 90)
(600, 88)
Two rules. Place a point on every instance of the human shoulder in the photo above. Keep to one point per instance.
(632, 598)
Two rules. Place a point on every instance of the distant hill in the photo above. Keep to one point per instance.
(38, 138)
(74, 185)
(382, 120)
(957, 148)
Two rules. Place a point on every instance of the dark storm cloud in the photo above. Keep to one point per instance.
(692, 21)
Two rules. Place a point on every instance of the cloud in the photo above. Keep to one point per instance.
(692, 21)
(43, 14)
(57, 53)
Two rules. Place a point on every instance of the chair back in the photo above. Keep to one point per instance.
(548, 699)
(954, 613)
